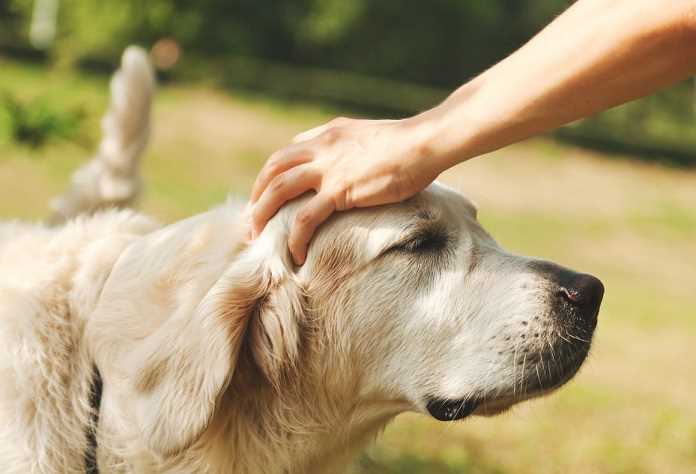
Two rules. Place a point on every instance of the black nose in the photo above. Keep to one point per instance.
(580, 290)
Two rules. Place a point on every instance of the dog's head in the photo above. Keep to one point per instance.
(439, 315)
(412, 302)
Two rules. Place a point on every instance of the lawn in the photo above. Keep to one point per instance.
(632, 408)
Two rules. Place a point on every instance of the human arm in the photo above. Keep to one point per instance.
(597, 54)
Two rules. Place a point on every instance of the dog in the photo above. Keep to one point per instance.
(132, 347)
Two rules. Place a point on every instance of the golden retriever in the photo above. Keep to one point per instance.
(134, 348)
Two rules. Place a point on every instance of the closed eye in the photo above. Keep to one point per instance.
(428, 241)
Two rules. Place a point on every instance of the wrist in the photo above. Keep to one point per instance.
(449, 133)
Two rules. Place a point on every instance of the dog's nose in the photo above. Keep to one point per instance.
(583, 291)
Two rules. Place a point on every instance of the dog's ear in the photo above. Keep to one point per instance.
(177, 310)
(179, 373)
(274, 332)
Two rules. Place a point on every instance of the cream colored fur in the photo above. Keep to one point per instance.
(50, 282)
(111, 178)
(218, 355)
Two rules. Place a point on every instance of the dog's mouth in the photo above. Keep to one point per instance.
(536, 355)
(444, 409)
(538, 374)
(451, 410)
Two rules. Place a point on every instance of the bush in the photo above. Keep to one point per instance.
(35, 123)
(436, 43)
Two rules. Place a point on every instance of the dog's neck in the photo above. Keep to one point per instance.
(301, 429)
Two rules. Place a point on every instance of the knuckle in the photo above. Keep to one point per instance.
(304, 219)
(277, 184)
(341, 186)
(340, 193)
(331, 135)
(274, 169)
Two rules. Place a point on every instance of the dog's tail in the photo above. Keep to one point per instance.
(111, 178)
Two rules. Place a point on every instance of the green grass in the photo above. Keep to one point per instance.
(631, 410)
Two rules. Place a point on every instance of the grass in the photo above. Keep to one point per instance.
(631, 410)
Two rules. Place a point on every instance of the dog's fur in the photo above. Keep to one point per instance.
(111, 178)
(219, 356)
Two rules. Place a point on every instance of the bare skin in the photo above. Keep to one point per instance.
(598, 54)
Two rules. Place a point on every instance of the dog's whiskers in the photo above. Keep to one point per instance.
(573, 336)
(564, 338)
(514, 371)
(523, 386)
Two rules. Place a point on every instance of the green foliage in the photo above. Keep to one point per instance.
(357, 92)
(35, 123)
(439, 42)
(12, 21)
(364, 54)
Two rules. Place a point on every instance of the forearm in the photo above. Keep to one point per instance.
(598, 54)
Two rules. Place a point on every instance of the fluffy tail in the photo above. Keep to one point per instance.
(111, 178)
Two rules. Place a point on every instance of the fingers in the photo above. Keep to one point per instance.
(311, 216)
(281, 189)
(278, 163)
(289, 157)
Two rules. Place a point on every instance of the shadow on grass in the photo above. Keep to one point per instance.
(413, 464)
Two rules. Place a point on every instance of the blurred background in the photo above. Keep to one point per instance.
(614, 195)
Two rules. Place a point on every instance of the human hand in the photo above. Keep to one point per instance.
(348, 163)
